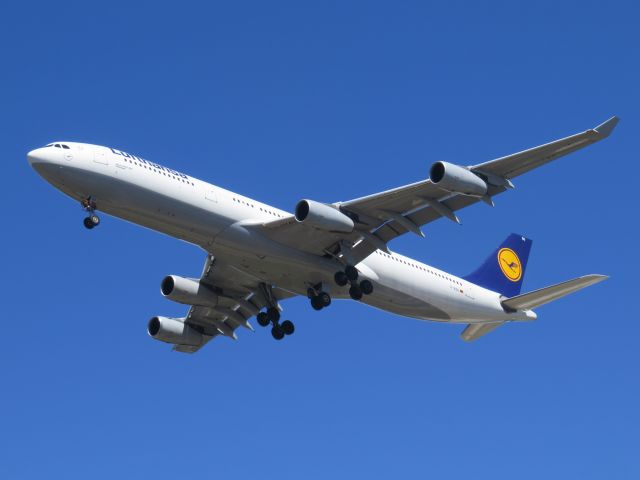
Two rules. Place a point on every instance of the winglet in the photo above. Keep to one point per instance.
(607, 127)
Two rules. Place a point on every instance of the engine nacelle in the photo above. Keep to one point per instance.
(173, 330)
(187, 291)
(457, 179)
(323, 217)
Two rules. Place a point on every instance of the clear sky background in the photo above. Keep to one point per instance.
(330, 101)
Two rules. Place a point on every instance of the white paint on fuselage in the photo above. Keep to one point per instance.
(211, 217)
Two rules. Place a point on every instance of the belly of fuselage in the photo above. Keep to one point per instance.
(130, 201)
(297, 273)
(289, 269)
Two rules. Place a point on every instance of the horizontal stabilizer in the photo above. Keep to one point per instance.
(536, 298)
(477, 330)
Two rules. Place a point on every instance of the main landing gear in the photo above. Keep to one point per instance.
(89, 206)
(272, 316)
(319, 299)
(350, 275)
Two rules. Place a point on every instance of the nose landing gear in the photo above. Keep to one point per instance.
(91, 221)
(89, 206)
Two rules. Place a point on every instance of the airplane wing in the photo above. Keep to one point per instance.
(240, 298)
(381, 217)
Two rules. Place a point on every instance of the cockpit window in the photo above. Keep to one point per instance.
(66, 147)
(49, 145)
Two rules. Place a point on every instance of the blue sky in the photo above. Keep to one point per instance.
(330, 101)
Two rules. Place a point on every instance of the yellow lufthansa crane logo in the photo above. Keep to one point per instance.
(510, 264)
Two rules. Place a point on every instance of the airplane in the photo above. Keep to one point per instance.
(258, 255)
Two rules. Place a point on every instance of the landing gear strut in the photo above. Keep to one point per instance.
(89, 206)
(350, 275)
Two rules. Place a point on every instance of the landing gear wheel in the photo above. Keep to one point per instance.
(277, 332)
(355, 292)
(89, 206)
(317, 303)
(366, 286)
(273, 314)
(351, 272)
(287, 327)
(263, 319)
(325, 299)
(341, 279)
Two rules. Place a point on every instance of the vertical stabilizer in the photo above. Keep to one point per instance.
(503, 271)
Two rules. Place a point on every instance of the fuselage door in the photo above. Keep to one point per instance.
(101, 155)
(211, 196)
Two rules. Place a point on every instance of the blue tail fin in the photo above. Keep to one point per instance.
(503, 271)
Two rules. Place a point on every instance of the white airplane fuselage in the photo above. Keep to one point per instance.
(218, 221)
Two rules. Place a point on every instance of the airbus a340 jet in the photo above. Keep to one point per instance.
(258, 255)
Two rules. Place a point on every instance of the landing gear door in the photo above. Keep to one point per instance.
(101, 155)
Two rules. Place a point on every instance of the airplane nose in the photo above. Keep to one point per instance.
(43, 161)
(35, 156)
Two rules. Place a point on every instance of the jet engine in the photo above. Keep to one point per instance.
(323, 217)
(187, 291)
(457, 179)
(174, 330)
